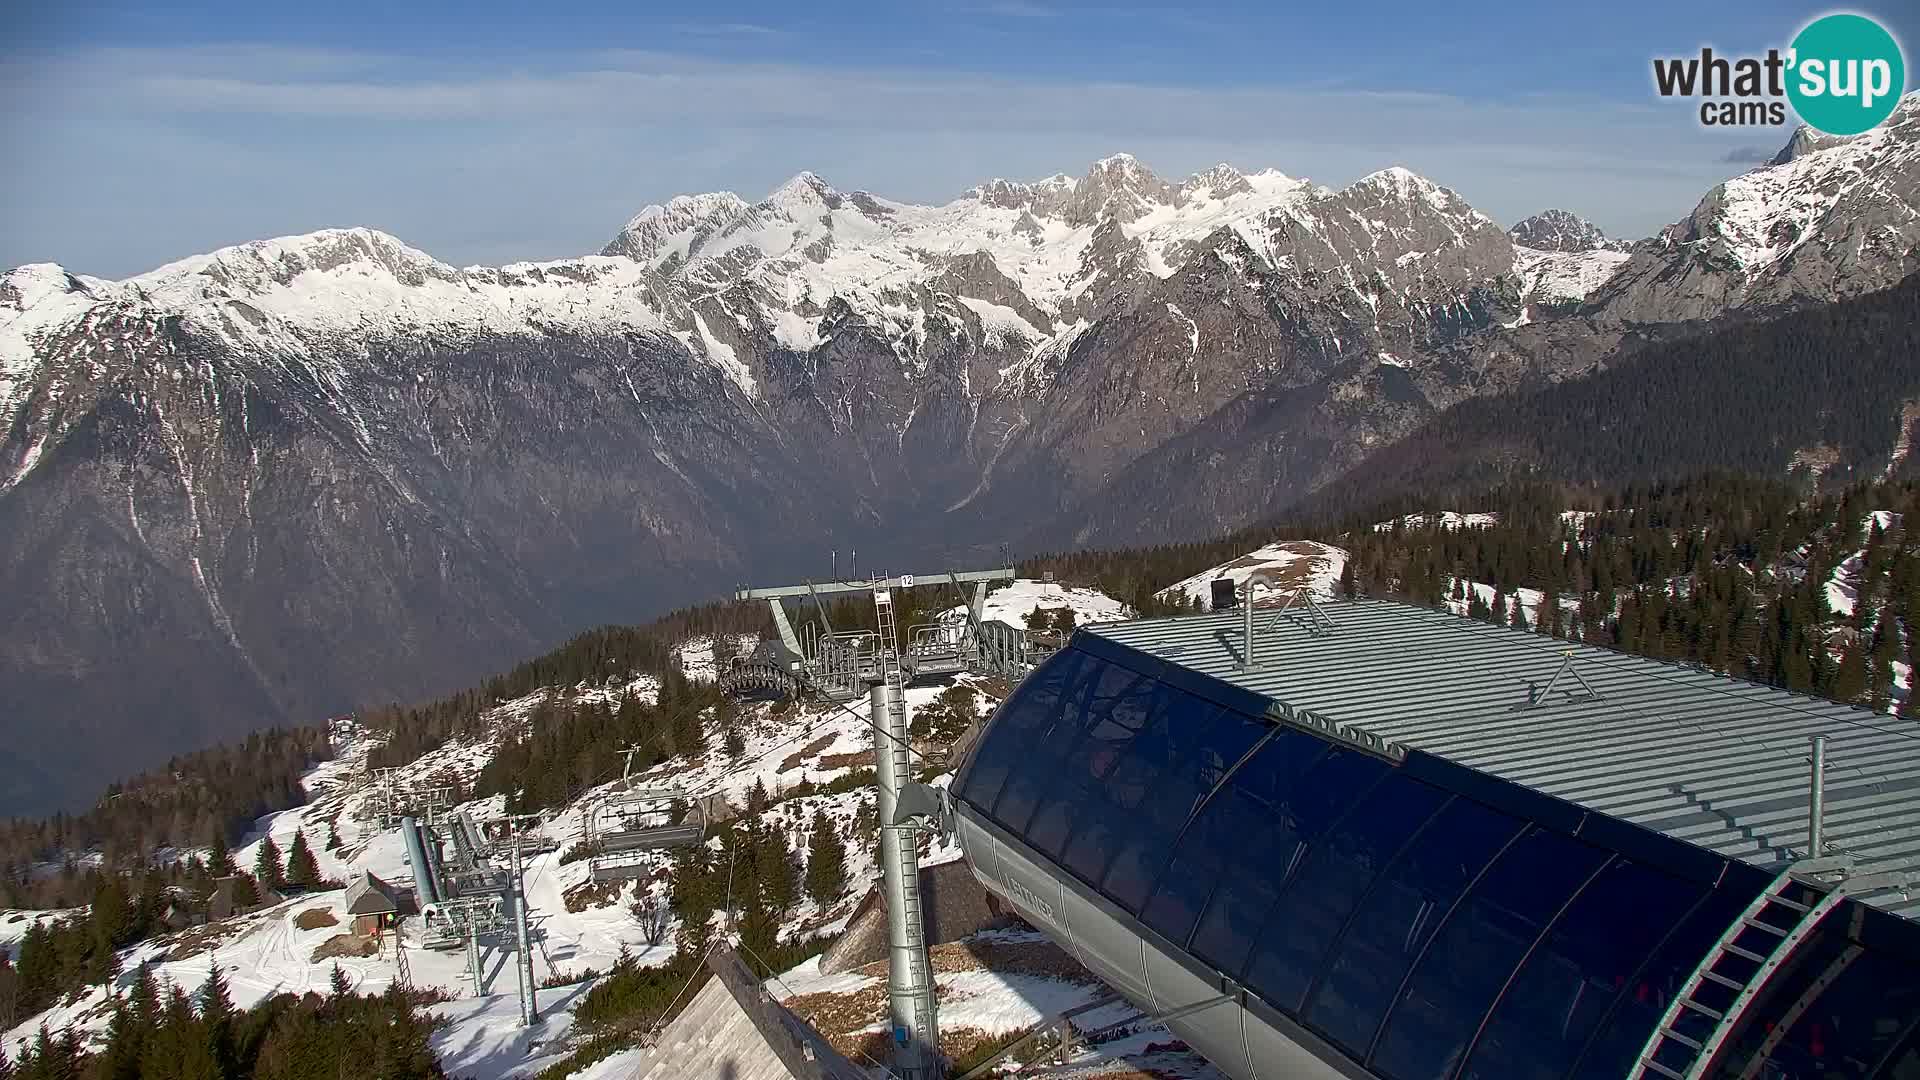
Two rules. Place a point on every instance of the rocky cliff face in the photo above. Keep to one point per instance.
(288, 477)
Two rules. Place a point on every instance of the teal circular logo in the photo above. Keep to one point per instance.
(1846, 75)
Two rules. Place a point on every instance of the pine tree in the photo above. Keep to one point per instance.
(1518, 618)
(689, 737)
(42, 1061)
(219, 861)
(267, 867)
(126, 1041)
(1886, 646)
(757, 799)
(1849, 679)
(1549, 618)
(759, 933)
(302, 869)
(337, 985)
(333, 839)
(217, 1021)
(826, 860)
(1349, 588)
(144, 999)
(246, 892)
(39, 970)
(773, 866)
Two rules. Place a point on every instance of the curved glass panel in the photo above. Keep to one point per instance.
(1302, 926)
(1570, 982)
(1475, 952)
(1904, 1063)
(1019, 723)
(1418, 929)
(1217, 838)
(1294, 816)
(1185, 751)
(1868, 1001)
(1648, 990)
(1398, 918)
(1096, 695)
(1104, 711)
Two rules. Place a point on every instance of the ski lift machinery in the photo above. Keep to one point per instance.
(625, 824)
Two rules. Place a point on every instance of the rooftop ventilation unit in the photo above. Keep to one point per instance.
(1225, 595)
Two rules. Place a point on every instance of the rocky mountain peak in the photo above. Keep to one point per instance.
(658, 230)
(1805, 140)
(1561, 230)
(1002, 194)
(24, 286)
(804, 192)
(1811, 212)
(1220, 181)
(1398, 179)
(1118, 186)
(261, 264)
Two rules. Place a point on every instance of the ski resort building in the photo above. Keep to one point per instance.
(372, 903)
(1374, 840)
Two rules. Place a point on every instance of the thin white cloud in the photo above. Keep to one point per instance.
(1019, 9)
(254, 140)
(727, 29)
(663, 87)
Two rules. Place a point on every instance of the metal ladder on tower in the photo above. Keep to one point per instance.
(1771, 927)
(888, 654)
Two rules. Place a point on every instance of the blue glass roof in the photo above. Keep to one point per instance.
(1426, 918)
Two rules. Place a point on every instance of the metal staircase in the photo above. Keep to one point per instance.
(1754, 947)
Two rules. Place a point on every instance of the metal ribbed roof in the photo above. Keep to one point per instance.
(1716, 762)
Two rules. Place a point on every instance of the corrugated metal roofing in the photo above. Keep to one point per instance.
(1717, 762)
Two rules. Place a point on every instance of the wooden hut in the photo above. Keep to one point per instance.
(372, 904)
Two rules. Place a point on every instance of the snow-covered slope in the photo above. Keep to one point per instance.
(1011, 603)
(1290, 564)
(273, 950)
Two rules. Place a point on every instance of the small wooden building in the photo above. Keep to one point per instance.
(372, 904)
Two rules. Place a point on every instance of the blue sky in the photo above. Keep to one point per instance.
(481, 132)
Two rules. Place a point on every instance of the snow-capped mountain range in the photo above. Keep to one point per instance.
(326, 469)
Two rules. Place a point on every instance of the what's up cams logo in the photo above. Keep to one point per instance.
(1843, 75)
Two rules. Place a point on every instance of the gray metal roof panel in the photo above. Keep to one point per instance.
(1719, 763)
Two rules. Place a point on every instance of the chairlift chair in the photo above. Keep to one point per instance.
(632, 820)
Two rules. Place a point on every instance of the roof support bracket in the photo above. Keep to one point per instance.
(1566, 667)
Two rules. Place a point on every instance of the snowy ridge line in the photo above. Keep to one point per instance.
(1023, 261)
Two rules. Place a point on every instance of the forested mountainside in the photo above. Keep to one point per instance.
(187, 802)
(1831, 392)
(1744, 574)
(172, 1033)
(1731, 573)
(218, 792)
(278, 480)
